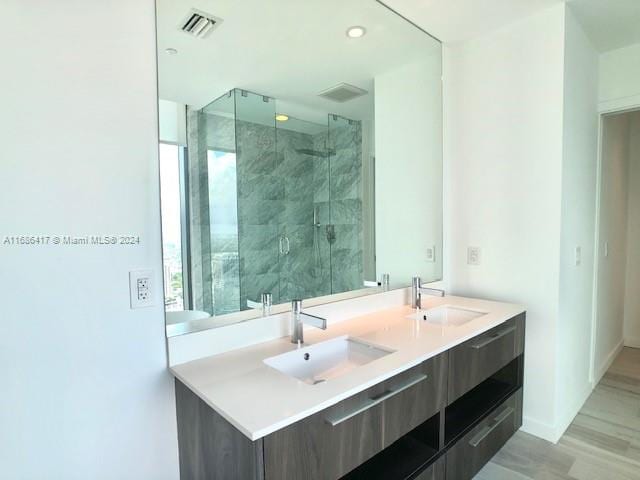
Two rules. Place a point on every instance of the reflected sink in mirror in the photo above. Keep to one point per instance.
(447, 315)
(326, 360)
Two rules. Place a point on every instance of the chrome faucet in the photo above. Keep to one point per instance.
(298, 318)
(266, 301)
(417, 290)
(384, 282)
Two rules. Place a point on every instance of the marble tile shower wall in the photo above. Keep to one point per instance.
(260, 203)
(304, 271)
(345, 189)
(282, 176)
(275, 201)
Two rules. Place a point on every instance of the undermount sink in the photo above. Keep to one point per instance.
(326, 360)
(447, 315)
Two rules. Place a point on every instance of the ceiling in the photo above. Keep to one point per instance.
(290, 50)
(293, 49)
(610, 24)
(459, 20)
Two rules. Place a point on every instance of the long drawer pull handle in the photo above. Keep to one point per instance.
(497, 420)
(334, 420)
(493, 338)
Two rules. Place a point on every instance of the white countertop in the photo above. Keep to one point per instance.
(259, 400)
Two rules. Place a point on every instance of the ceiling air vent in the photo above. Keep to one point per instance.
(342, 92)
(199, 24)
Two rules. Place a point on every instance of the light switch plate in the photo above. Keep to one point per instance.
(141, 288)
(431, 253)
(473, 255)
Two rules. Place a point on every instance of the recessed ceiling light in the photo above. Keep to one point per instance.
(171, 51)
(281, 117)
(356, 32)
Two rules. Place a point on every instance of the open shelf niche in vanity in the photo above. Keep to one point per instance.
(441, 419)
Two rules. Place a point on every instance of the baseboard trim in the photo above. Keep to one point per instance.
(570, 414)
(632, 342)
(553, 433)
(539, 429)
(607, 363)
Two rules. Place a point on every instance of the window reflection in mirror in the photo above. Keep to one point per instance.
(172, 228)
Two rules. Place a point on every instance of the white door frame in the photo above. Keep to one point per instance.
(605, 109)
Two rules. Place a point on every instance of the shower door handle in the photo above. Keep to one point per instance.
(287, 245)
(283, 245)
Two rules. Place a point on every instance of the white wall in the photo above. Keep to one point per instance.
(85, 389)
(172, 117)
(613, 231)
(503, 148)
(579, 167)
(408, 171)
(620, 78)
(632, 299)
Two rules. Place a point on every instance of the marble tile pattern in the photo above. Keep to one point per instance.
(282, 177)
(276, 199)
(345, 201)
(603, 442)
(260, 206)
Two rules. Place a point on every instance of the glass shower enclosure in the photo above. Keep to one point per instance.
(275, 204)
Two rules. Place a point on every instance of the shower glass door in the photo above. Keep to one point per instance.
(261, 197)
(303, 168)
(276, 204)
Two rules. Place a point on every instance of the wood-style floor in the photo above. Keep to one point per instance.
(602, 443)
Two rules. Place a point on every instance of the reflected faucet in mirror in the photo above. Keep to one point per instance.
(266, 301)
(383, 282)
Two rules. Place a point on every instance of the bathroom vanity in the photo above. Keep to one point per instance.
(439, 398)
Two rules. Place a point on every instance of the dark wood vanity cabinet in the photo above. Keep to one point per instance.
(436, 471)
(442, 419)
(333, 442)
(475, 360)
(480, 444)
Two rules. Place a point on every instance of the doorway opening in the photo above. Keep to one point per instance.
(617, 262)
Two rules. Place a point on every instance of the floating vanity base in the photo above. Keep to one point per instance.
(442, 419)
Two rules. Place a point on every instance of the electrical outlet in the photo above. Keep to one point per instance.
(431, 253)
(578, 256)
(140, 288)
(473, 255)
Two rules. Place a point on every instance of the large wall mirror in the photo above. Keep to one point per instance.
(300, 155)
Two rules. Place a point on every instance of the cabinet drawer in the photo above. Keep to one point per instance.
(474, 361)
(409, 408)
(434, 472)
(333, 442)
(477, 447)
